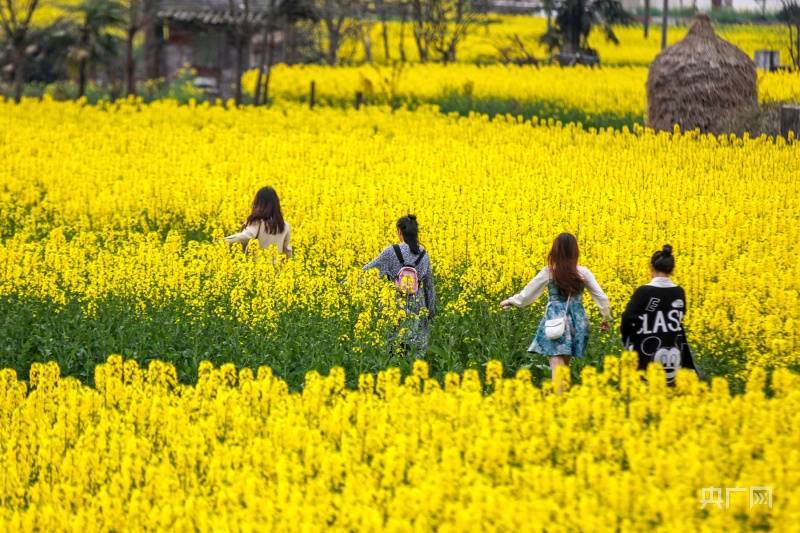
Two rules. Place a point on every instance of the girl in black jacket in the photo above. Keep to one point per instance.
(652, 324)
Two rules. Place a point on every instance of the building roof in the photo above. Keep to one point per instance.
(215, 12)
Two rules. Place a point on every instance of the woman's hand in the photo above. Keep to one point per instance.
(604, 326)
(505, 304)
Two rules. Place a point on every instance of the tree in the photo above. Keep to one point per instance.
(382, 9)
(153, 39)
(298, 26)
(246, 19)
(575, 20)
(547, 7)
(15, 19)
(95, 41)
(46, 56)
(440, 25)
(361, 27)
(275, 10)
(762, 4)
(334, 14)
(241, 30)
(138, 14)
(790, 15)
(401, 41)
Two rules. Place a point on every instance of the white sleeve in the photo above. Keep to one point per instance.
(596, 292)
(532, 290)
(245, 235)
(287, 246)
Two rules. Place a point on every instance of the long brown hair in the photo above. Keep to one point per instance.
(563, 262)
(267, 207)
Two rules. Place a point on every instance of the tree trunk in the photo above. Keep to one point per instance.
(450, 54)
(333, 44)
(573, 31)
(418, 27)
(385, 35)
(237, 96)
(646, 21)
(83, 63)
(152, 41)
(664, 19)
(130, 63)
(292, 39)
(81, 78)
(259, 79)
(152, 52)
(262, 59)
(288, 43)
(19, 71)
(270, 60)
(797, 61)
(401, 46)
(114, 87)
(366, 42)
(421, 47)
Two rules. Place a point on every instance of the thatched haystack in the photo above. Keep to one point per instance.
(700, 82)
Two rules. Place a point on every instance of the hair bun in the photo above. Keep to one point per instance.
(412, 217)
(666, 250)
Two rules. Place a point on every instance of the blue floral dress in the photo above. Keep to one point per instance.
(576, 334)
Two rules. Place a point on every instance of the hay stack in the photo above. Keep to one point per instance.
(700, 82)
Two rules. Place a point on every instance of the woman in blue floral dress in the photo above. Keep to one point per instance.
(565, 281)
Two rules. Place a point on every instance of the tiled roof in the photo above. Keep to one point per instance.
(212, 11)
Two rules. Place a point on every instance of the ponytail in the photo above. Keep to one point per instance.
(410, 231)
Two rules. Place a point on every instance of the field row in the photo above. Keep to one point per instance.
(141, 452)
(483, 42)
(120, 226)
(607, 97)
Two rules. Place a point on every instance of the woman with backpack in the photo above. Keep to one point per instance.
(563, 332)
(408, 266)
(265, 223)
(652, 324)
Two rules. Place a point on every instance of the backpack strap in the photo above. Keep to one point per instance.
(419, 259)
(399, 253)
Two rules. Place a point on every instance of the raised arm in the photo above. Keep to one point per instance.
(596, 292)
(245, 235)
(531, 292)
(381, 262)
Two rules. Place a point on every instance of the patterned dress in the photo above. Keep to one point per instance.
(576, 334)
(412, 333)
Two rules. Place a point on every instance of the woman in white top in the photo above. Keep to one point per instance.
(265, 223)
(565, 282)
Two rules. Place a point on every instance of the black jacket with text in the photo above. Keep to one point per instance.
(652, 326)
